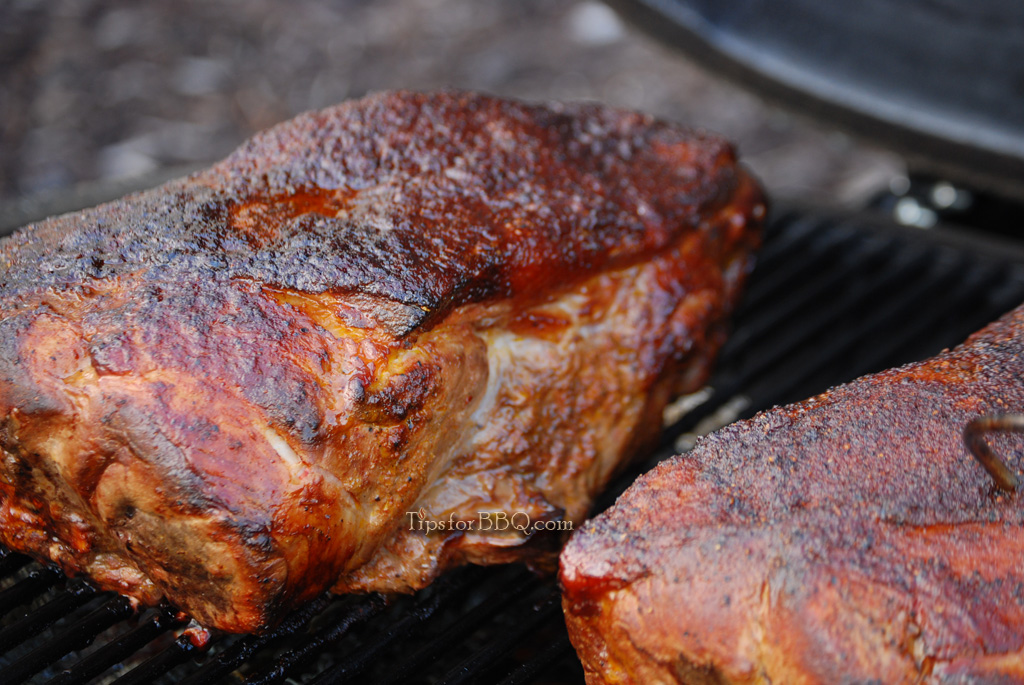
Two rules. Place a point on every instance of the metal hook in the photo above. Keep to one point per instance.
(974, 438)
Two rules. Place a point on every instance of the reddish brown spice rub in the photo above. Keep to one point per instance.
(228, 391)
(850, 538)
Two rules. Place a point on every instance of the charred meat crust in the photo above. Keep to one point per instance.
(847, 538)
(228, 392)
(432, 201)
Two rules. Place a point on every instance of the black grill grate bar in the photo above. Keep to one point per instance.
(371, 606)
(76, 594)
(177, 653)
(884, 328)
(780, 242)
(797, 280)
(117, 651)
(526, 618)
(782, 383)
(76, 636)
(451, 637)
(771, 277)
(549, 656)
(785, 337)
(1001, 297)
(781, 234)
(28, 588)
(426, 607)
(242, 650)
(929, 315)
(812, 289)
(784, 329)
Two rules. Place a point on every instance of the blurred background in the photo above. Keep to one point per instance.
(96, 95)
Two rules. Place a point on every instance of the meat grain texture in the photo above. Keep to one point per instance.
(228, 392)
(849, 538)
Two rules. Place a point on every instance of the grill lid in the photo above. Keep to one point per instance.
(940, 81)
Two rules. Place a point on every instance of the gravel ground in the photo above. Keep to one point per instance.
(94, 90)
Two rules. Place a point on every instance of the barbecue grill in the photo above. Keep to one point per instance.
(833, 296)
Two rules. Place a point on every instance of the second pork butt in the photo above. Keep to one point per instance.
(848, 538)
(229, 392)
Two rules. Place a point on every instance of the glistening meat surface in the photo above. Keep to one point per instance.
(850, 538)
(229, 391)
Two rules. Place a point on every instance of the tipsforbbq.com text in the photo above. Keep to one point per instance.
(485, 521)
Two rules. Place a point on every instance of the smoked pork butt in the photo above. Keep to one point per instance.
(230, 391)
(849, 538)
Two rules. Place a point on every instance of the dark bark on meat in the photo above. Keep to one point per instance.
(847, 538)
(229, 391)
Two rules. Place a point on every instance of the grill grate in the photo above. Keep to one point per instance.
(831, 299)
